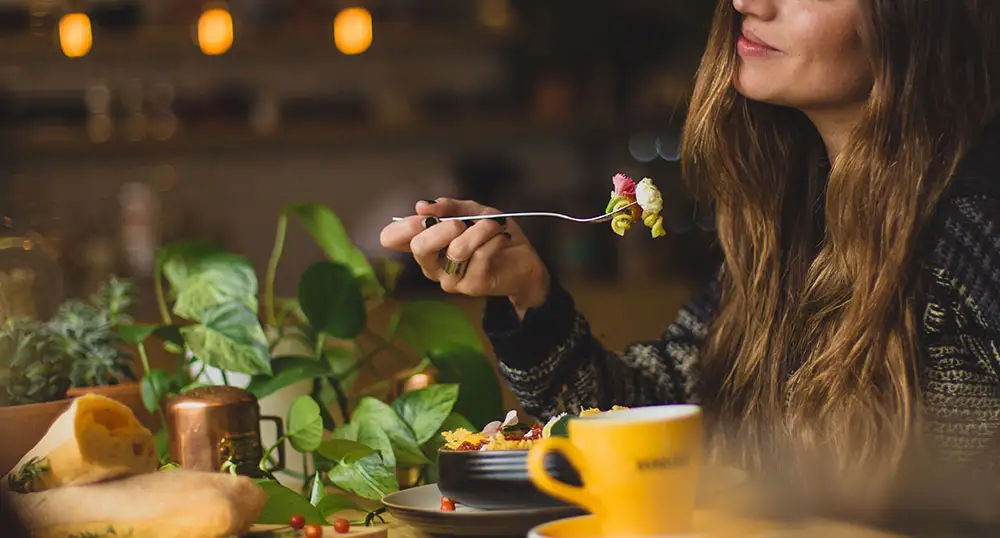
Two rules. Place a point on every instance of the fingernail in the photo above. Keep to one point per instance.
(500, 220)
(429, 201)
(430, 221)
(507, 235)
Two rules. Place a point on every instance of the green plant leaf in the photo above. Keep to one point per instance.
(230, 338)
(391, 271)
(176, 258)
(153, 388)
(162, 441)
(480, 399)
(329, 233)
(331, 299)
(318, 489)
(348, 431)
(305, 425)
(283, 503)
(173, 340)
(342, 363)
(373, 435)
(433, 327)
(367, 477)
(369, 435)
(287, 371)
(215, 279)
(331, 504)
(338, 449)
(404, 442)
(424, 410)
(133, 334)
(201, 273)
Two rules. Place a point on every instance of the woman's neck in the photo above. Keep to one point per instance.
(834, 126)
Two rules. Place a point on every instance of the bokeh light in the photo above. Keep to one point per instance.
(352, 30)
(75, 35)
(215, 31)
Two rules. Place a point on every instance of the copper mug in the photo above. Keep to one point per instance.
(210, 426)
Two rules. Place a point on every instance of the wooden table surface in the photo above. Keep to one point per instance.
(816, 528)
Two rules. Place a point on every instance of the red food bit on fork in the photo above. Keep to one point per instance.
(447, 505)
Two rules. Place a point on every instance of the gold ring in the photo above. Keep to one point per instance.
(453, 267)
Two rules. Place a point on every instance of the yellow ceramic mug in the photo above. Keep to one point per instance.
(640, 468)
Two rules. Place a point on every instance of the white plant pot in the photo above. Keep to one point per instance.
(275, 405)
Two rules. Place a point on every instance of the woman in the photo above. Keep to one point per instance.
(849, 151)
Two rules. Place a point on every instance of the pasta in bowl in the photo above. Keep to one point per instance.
(488, 469)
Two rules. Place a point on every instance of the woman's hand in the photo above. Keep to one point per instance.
(489, 257)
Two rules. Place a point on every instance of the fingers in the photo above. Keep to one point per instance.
(427, 245)
(473, 244)
(462, 248)
(398, 235)
(483, 278)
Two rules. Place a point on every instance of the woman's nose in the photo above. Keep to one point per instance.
(760, 9)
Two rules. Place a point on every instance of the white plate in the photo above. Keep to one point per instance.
(421, 508)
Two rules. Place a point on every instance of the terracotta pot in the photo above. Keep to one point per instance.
(128, 393)
(22, 426)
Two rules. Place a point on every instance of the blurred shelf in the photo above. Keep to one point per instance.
(283, 70)
(42, 142)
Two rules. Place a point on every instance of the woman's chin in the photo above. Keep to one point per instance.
(759, 87)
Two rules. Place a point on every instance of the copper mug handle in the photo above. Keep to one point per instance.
(280, 432)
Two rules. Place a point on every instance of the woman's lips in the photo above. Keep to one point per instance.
(749, 44)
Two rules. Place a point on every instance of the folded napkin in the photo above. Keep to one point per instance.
(176, 503)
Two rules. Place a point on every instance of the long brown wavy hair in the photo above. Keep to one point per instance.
(815, 343)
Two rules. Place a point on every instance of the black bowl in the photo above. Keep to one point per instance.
(498, 479)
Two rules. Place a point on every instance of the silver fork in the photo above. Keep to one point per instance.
(598, 219)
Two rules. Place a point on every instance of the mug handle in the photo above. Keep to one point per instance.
(541, 477)
(279, 426)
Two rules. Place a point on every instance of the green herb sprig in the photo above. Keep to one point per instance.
(27, 478)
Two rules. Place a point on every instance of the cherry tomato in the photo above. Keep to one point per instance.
(297, 522)
(447, 505)
(314, 531)
(342, 526)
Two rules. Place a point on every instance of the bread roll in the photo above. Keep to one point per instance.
(96, 439)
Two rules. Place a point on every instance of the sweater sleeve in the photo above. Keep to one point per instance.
(553, 363)
(960, 374)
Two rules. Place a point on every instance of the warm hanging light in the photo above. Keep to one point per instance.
(75, 36)
(215, 31)
(352, 30)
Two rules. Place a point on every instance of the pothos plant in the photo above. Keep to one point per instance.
(351, 438)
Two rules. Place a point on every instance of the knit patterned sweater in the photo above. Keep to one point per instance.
(553, 363)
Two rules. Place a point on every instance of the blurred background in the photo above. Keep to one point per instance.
(129, 124)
